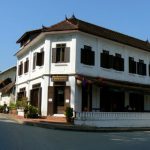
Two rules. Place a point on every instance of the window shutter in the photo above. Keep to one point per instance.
(19, 72)
(67, 54)
(122, 64)
(144, 69)
(116, 63)
(26, 66)
(83, 56)
(53, 55)
(149, 69)
(39, 59)
(139, 68)
(111, 61)
(50, 100)
(67, 96)
(105, 60)
(92, 58)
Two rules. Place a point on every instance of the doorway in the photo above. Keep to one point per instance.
(59, 102)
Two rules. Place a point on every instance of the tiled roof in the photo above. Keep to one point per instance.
(79, 25)
(7, 88)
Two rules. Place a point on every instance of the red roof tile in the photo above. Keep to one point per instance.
(76, 24)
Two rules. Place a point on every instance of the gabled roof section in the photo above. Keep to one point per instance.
(79, 25)
(26, 34)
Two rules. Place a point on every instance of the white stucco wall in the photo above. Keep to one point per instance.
(100, 44)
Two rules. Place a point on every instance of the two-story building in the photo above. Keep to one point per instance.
(99, 72)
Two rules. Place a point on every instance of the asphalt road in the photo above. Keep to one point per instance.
(22, 137)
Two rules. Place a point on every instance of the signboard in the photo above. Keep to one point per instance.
(59, 78)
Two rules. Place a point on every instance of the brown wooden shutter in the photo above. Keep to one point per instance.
(38, 59)
(67, 54)
(19, 73)
(53, 55)
(83, 56)
(26, 66)
(50, 103)
(67, 96)
(92, 58)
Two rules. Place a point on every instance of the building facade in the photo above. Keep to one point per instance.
(7, 86)
(84, 66)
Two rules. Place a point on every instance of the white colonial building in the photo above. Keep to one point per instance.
(102, 74)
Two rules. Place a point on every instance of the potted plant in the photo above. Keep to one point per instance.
(69, 114)
(12, 108)
(31, 112)
(21, 105)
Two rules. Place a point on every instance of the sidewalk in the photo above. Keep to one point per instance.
(60, 123)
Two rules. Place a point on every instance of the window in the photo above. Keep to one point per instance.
(87, 55)
(20, 69)
(105, 59)
(132, 65)
(141, 67)
(118, 63)
(40, 58)
(110, 61)
(61, 54)
(26, 66)
(21, 93)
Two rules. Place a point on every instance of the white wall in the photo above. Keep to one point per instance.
(64, 68)
(100, 44)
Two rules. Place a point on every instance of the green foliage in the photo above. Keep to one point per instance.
(69, 112)
(22, 103)
(31, 111)
(1, 109)
(12, 106)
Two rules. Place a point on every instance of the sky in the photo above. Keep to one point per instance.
(130, 17)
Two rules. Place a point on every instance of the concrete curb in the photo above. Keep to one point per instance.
(83, 128)
(71, 127)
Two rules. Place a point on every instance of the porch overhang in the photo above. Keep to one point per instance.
(117, 84)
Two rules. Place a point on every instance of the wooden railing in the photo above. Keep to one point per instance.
(111, 115)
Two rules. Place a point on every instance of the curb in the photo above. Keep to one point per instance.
(85, 128)
(71, 127)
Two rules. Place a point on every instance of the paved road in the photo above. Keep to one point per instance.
(21, 137)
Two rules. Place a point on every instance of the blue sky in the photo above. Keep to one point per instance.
(131, 17)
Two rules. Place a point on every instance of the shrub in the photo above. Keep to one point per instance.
(22, 103)
(1, 109)
(69, 112)
(12, 106)
(31, 111)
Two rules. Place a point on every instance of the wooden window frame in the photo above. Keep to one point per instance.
(26, 65)
(61, 54)
(87, 56)
(20, 68)
(132, 65)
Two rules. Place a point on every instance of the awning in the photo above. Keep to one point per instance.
(110, 83)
